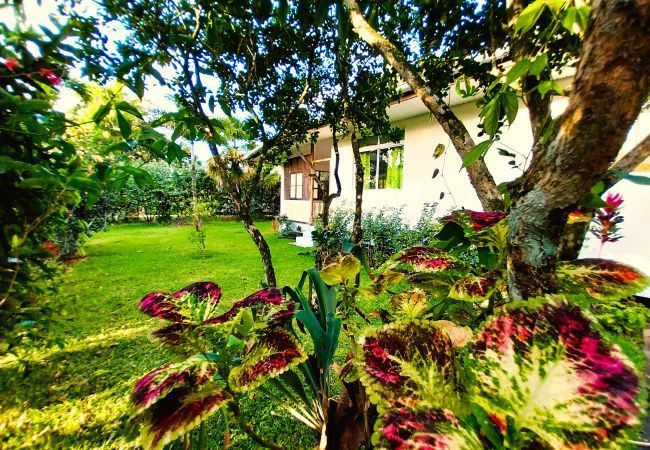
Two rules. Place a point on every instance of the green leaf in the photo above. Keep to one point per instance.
(84, 184)
(124, 124)
(102, 112)
(510, 104)
(538, 64)
(39, 183)
(549, 86)
(491, 113)
(128, 108)
(346, 268)
(637, 179)
(476, 153)
(529, 16)
(517, 71)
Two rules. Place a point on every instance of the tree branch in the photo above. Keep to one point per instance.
(479, 175)
(628, 163)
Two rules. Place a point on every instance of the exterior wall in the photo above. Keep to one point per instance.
(422, 135)
(296, 210)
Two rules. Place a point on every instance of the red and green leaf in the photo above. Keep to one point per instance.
(475, 289)
(205, 290)
(272, 353)
(554, 377)
(601, 278)
(160, 305)
(174, 398)
(159, 382)
(179, 412)
(263, 297)
(430, 429)
(399, 362)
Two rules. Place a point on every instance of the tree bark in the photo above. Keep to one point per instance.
(610, 85)
(327, 201)
(357, 230)
(479, 175)
(262, 246)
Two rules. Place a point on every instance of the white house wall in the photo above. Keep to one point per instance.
(422, 135)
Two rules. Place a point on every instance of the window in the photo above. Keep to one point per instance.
(321, 185)
(383, 164)
(295, 192)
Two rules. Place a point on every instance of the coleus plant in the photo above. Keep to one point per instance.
(433, 382)
(240, 349)
(464, 272)
(538, 375)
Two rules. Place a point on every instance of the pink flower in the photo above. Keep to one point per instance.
(614, 200)
(53, 78)
(11, 64)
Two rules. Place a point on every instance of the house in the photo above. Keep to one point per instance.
(422, 167)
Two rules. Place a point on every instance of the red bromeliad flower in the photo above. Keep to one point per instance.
(608, 219)
(11, 64)
(53, 78)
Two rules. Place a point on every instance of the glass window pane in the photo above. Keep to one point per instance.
(394, 168)
(383, 168)
(369, 162)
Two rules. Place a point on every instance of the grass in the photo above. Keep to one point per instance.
(76, 395)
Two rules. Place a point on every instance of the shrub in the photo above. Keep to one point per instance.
(385, 232)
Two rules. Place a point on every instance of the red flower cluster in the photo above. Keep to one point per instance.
(607, 219)
(53, 78)
(11, 64)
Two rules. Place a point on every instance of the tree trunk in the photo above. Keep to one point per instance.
(611, 83)
(357, 230)
(479, 175)
(327, 201)
(261, 244)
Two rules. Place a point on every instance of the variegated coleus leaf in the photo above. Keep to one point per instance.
(475, 288)
(425, 429)
(166, 306)
(263, 297)
(601, 278)
(478, 220)
(553, 376)
(273, 352)
(161, 305)
(205, 290)
(179, 412)
(429, 268)
(159, 382)
(174, 398)
(407, 363)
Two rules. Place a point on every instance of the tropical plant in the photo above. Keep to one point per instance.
(453, 361)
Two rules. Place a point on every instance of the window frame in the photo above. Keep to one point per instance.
(377, 149)
(293, 187)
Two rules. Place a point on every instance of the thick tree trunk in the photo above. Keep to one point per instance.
(262, 246)
(479, 175)
(610, 85)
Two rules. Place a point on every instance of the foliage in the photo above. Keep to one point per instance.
(74, 394)
(455, 360)
(385, 232)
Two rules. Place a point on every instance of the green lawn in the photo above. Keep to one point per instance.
(77, 396)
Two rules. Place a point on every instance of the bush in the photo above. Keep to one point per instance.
(385, 231)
